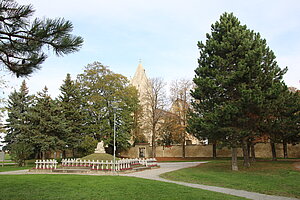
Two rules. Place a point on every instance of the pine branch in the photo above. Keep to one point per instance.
(22, 42)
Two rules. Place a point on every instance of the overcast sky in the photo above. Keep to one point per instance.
(162, 33)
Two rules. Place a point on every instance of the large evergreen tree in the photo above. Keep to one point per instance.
(17, 124)
(236, 80)
(105, 93)
(70, 101)
(49, 127)
(283, 123)
(2, 103)
(22, 41)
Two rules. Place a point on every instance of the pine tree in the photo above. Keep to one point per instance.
(70, 101)
(48, 125)
(236, 80)
(282, 125)
(18, 107)
(17, 126)
(2, 104)
(22, 42)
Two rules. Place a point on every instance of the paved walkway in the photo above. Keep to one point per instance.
(171, 166)
(18, 172)
(167, 167)
(7, 163)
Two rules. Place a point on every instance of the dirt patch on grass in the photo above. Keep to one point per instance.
(297, 165)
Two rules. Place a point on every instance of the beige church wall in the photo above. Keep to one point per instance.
(169, 151)
(261, 150)
(134, 152)
(192, 151)
(293, 151)
(264, 150)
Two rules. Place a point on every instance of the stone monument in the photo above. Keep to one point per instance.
(100, 148)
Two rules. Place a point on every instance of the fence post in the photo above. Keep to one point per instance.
(36, 164)
(55, 164)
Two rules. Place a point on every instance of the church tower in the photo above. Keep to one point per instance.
(143, 86)
(140, 81)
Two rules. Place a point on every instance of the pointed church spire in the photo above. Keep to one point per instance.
(140, 74)
(140, 80)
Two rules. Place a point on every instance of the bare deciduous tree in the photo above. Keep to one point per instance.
(155, 99)
(180, 96)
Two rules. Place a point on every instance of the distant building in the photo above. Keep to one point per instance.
(293, 89)
(143, 85)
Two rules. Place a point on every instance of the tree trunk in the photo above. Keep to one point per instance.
(246, 152)
(248, 149)
(184, 124)
(273, 148)
(64, 154)
(234, 165)
(183, 146)
(252, 147)
(153, 143)
(73, 152)
(153, 151)
(285, 151)
(214, 150)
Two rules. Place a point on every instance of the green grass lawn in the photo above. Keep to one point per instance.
(275, 178)
(33, 187)
(7, 156)
(6, 161)
(6, 168)
(98, 156)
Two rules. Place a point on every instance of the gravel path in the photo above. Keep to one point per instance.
(153, 174)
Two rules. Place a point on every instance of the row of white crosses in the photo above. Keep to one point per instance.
(151, 162)
(46, 164)
(109, 165)
(122, 164)
(75, 163)
(148, 162)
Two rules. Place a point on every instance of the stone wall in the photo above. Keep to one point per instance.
(261, 150)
